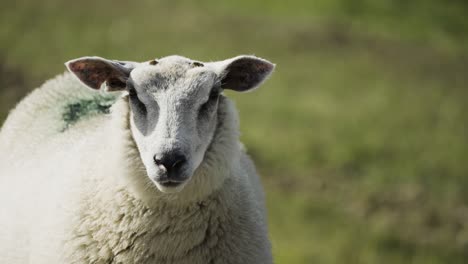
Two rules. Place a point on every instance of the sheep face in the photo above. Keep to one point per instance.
(174, 106)
(174, 115)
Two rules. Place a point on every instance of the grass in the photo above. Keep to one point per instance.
(360, 135)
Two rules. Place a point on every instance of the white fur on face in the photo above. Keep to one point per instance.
(174, 107)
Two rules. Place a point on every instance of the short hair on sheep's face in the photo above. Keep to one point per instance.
(174, 105)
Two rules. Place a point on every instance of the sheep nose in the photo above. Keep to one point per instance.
(171, 161)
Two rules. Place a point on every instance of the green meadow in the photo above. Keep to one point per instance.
(361, 134)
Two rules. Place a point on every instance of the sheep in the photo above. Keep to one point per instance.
(144, 167)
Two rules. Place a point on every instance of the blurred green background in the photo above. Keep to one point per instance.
(361, 134)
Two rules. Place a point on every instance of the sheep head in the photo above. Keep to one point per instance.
(173, 103)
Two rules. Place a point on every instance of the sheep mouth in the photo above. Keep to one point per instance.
(171, 184)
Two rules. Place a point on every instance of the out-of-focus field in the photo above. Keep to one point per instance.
(361, 135)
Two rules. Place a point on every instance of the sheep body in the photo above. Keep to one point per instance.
(73, 189)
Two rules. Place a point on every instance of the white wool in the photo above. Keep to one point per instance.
(79, 194)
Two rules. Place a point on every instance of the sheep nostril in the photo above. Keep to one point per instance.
(178, 163)
(157, 161)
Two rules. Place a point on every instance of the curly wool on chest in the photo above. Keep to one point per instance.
(125, 229)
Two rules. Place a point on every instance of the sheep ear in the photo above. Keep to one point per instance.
(94, 71)
(243, 73)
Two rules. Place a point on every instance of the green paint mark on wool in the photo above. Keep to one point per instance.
(85, 108)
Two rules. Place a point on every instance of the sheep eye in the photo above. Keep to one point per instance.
(131, 90)
(213, 95)
(134, 97)
(135, 101)
(211, 101)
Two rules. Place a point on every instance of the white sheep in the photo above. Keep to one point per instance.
(153, 173)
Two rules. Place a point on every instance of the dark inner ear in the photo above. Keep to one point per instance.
(94, 72)
(245, 73)
(116, 84)
(91, 72)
